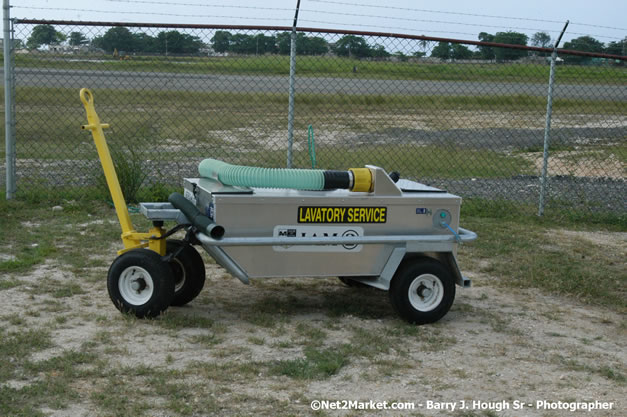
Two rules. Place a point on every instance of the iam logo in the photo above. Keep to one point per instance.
(350, 233)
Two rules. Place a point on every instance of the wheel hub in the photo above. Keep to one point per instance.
(426, 292)
(423, 291)
(138, 285)
(135, 285)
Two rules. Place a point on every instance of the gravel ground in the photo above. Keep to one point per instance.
(594, 194)
(496, 346)
(590, 189)
(495, 138)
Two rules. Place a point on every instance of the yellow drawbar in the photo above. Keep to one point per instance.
(130, 237)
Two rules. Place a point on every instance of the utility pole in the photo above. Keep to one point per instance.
(290, 108)
(9, 135)
(547, 126)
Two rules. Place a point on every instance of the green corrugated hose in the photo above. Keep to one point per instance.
(243, 176)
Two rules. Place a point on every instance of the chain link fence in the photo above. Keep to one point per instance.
(468, 118)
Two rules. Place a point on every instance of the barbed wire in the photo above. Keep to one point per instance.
(424, 20)
(598, 26)
(314, 21)
(387, 7)
(232, 6)
(208, 5)
(396, 28)
(138, 13)
(432, 11)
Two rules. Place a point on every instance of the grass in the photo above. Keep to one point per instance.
(526, 251)
(28, 401)
(431, 161)
(332, 67)
(170, 125)
(16, 346)
(204, 358)
(175, 321)
(164, 134)
(27, 257)
(508, 236)
(317, 364)
(129, 170)
(23, 230)
(565, 216)
(605, 371)
(9, 283)
(552, 148)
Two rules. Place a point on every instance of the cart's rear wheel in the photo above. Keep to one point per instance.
(140, 283)
(189, 272)
(422, 291)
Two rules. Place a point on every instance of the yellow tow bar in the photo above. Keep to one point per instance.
(131, 238)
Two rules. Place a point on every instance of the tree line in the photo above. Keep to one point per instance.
(122, 39)
(446, 50)
(171, 41)
(239, 43)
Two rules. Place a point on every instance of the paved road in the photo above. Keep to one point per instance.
(279, 84)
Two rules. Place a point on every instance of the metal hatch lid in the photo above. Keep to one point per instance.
(408, 186)
(216, 187)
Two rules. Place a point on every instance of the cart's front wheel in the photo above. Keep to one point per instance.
(422, 291)
(189, 272)
(141, 283)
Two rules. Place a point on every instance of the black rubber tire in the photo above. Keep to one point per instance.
(349, 282)
(408, 272)
(189, 268)
(159, 273)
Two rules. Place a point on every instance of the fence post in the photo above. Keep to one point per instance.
(290, 108)
(9, 134)
(547, 125)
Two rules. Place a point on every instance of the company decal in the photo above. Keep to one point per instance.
(313, 214)
(298, 231)
(189, 195)
(211, 211)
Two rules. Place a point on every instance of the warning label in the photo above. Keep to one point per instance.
(342, 214)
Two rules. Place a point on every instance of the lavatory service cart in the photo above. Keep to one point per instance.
(362, 225)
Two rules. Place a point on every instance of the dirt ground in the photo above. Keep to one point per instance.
(580, 164)
(496, 345)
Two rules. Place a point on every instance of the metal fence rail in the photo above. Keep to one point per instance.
(175, 94)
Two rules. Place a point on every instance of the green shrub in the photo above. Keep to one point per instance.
(131, 173)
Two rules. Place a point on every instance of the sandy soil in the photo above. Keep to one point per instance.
(495, 345)
(580, 164)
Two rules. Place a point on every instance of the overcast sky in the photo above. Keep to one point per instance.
(454, 18)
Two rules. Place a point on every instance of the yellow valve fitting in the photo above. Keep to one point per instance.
(362, 180)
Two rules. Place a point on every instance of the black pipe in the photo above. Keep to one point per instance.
(336, 179)
(195, 217)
